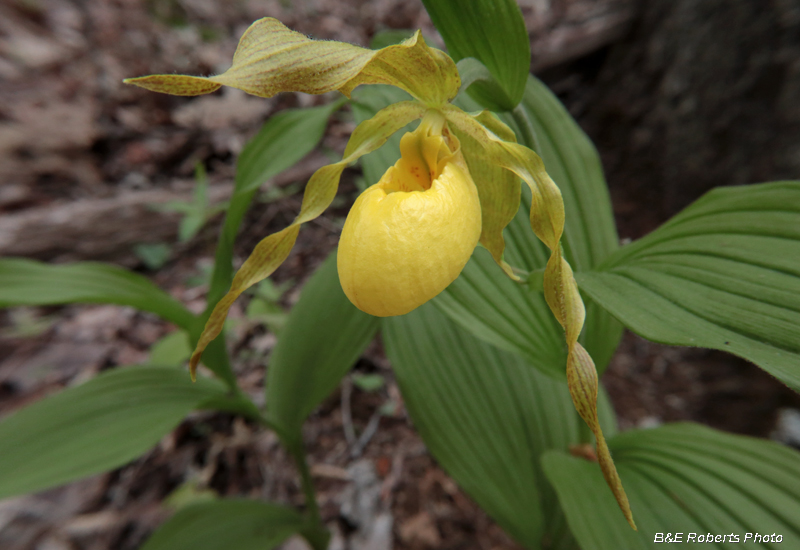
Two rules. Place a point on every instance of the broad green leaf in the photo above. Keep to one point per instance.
(471, 71)
(493, 32)
(683, 478)
(30, 283)
(271, 59)
(96, 426)
(722, 274)
(226, 525)
(486, 415)
(505, 314)
(509, 315)
(324, 335)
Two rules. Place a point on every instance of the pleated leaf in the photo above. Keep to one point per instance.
(227, 524)
(96, 426)
(271, 59)
(30, 283)
(506, 314)
(324, 336)
(722, 274)
(493, 32)
(683, 478)
(486, 416)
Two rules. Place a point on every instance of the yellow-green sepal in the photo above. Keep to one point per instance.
(272, 58)
(498, 188)
(320, 191)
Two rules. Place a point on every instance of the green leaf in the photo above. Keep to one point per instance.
(31, 283)
(505, 314)
(172, 349)
(723, 274)
(369, 382)
(515, 317)
(682, 478)
(493, 32)
(227, 524)
(94, 427)
(324, 335)
(486, 415)
(153, 255)
(472, 71)
(390, 37)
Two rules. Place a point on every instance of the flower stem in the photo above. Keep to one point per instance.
(314, 532)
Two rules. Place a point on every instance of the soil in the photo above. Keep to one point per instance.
(679, 96)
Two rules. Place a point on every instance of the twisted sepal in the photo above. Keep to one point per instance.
(319, 193)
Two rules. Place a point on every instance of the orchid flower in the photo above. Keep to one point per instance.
(408, 237)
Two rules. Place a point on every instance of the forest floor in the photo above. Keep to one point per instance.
(83, 159)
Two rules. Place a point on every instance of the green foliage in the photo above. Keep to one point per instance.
(26, 322)
(31, 283)
(94, 427)
(323, 337)
(264, 306)
(505, 314)
(493, 410)
(197, 212)
(153, 255)
(172, 349)
(486, 416)
(369, 382)
(723, 274)
(682, 478)
(227, 524)
(493, 32)
(188, 493)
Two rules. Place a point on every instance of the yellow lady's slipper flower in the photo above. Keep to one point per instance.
(408, 236)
